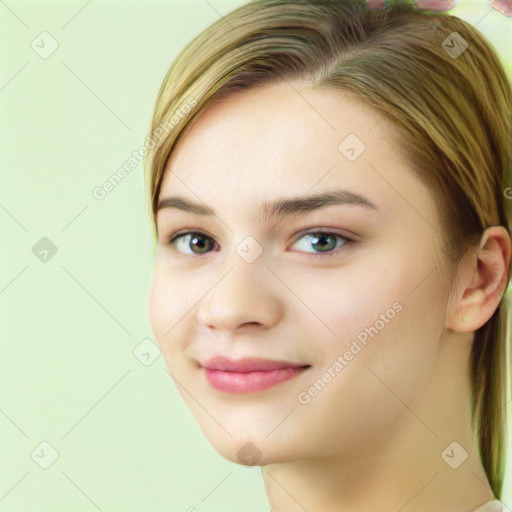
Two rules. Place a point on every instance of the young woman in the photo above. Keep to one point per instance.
(331, 192)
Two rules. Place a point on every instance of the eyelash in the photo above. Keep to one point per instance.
(348, 242)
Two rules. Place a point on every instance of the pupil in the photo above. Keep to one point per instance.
(198, 238)
(322, 245)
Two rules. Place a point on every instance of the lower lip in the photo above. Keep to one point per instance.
(237, 382)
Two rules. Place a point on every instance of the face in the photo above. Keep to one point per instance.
(353, 292)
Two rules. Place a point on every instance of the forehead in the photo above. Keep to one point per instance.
(287, 140)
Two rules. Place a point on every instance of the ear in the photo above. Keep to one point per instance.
(481, 282)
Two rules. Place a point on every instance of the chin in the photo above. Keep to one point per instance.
(250, 450)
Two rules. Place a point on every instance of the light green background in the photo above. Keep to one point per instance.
(69, 376)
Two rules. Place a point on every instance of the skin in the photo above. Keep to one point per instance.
(372, 438)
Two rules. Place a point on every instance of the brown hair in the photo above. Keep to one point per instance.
(434, 76)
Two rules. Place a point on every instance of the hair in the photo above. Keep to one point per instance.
(451, 117)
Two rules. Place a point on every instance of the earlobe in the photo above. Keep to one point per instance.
(483, 283)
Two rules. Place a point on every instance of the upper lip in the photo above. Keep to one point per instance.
(248, 364)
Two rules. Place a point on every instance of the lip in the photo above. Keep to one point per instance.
(248, 375)
(248, 364)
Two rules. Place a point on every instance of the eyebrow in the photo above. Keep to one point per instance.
(281, 207)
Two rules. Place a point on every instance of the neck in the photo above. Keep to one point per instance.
(406, 467)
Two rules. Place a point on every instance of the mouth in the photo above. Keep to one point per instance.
(248, 375)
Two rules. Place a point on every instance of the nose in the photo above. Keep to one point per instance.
(245, 296)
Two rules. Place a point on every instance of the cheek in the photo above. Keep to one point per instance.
(167, 297)
(388, 321)
(387, 353)
(172, 298)
(151, 306)
(163, 314)
(402, 324)
(165, 308)
(155, 307)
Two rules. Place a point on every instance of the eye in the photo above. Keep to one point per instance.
(191, 239)
(327, 243)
